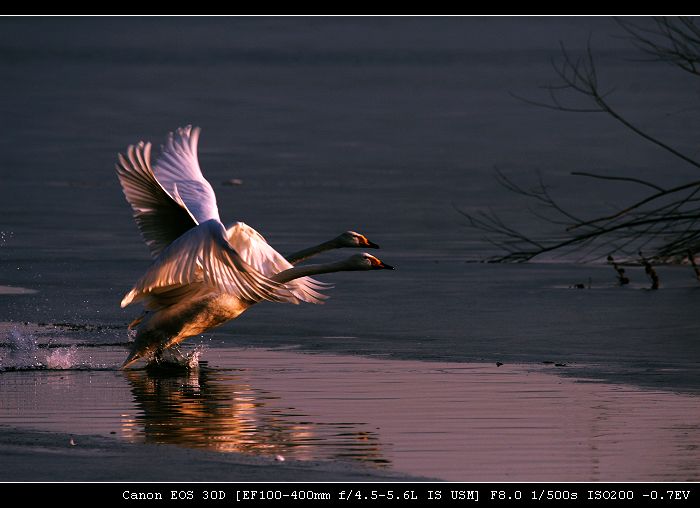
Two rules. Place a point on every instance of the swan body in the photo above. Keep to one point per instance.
(203, 274)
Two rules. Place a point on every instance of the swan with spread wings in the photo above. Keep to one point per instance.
(204, 274)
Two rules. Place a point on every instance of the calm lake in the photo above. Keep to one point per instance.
(385, 126)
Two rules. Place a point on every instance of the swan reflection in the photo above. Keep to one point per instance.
(219, 410)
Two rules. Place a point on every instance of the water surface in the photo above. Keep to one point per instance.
(383, 126)
(452, 421)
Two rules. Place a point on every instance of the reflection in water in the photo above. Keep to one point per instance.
(453, 421)
(218, 410)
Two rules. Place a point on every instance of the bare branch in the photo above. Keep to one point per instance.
(620, 178)
(665, 222)
(672, 40)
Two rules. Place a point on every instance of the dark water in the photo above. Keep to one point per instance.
(378, 125)
(446, 420)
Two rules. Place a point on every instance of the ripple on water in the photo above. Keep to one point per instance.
(454, 421)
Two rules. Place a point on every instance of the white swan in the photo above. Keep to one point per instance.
(203, 274)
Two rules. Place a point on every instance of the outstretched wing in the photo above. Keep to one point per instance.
(255, 251)
(203, 254)
(160, 219)
(176, 212)
(177, 170)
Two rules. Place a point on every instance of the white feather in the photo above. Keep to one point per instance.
(203, 255)
(259, 254)
(177, 170)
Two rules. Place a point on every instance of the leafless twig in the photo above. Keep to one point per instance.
(665, 221)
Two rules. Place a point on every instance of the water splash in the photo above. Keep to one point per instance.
(174, 359)
(21, 349)
(62, 358)
(194, 356)
(23, 352)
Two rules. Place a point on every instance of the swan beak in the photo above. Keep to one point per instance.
(371, 245)
(130, 360)
(384, 266)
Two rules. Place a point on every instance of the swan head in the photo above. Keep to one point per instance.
(356, 240)
(366, 261)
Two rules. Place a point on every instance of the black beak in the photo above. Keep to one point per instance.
(372, 245)
(384, 266)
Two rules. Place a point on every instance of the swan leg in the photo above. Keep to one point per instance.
(172, 354)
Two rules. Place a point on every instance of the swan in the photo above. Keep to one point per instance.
(204, 274)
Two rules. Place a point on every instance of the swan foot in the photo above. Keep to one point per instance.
(171, 359)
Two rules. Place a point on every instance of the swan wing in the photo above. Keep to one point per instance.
(160, 218)
(259, 254)
(162, 297)
(178, 172)
(203, 255)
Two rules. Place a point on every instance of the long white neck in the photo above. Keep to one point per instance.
(303, 271)
(303, 254)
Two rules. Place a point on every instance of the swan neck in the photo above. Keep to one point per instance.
(307, 270)
(303, 254)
